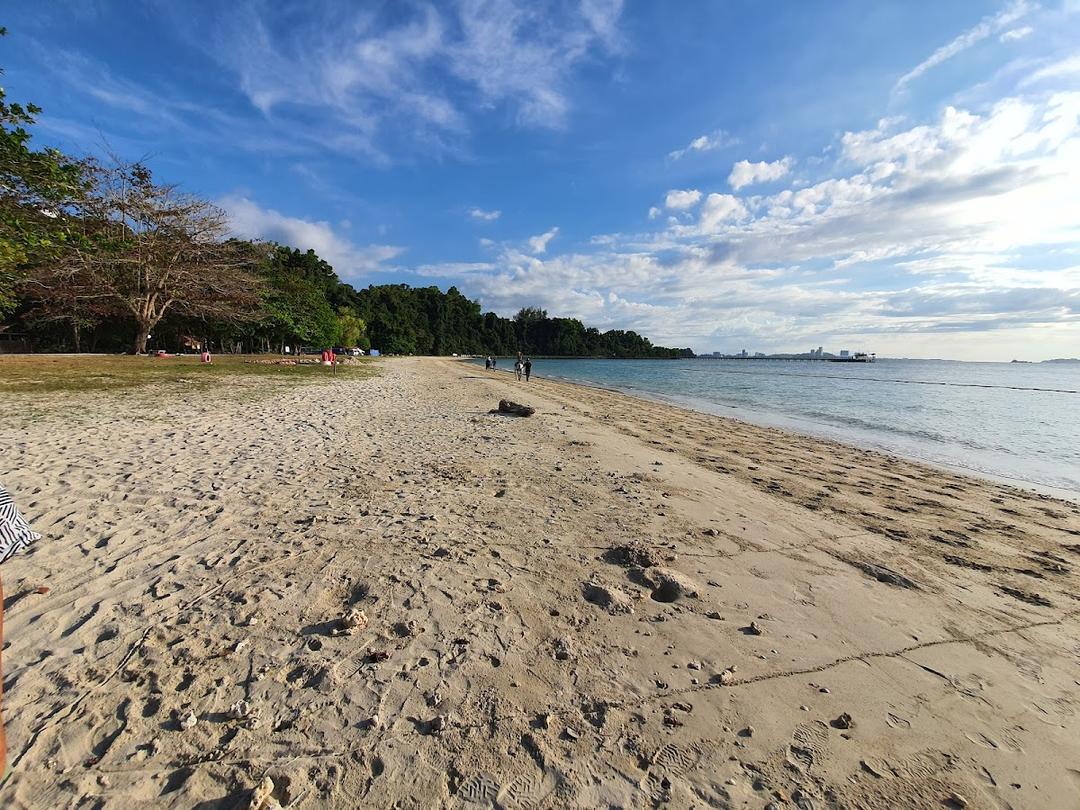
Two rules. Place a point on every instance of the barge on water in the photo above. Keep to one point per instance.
(858, 357)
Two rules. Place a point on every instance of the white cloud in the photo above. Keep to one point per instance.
(682, 200)
(955, 237)
(744, 173)
(539, 243)
(484, 216)
(1062, 68)
(1014, 34)
(720, 209)
(351, 261)
(705, 143)
(409, 74)
(654, 212)
(986, 27)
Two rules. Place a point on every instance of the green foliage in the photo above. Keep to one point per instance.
(352, 329)
(38, 190)
(90, 254)
(410, 320)
(296, 306)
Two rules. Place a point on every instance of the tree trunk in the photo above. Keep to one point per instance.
(75, 334)
(141, 337)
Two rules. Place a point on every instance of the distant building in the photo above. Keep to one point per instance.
(843, 352)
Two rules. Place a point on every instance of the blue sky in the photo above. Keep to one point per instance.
(900, 177)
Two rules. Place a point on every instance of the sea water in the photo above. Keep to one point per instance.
(1015, 422)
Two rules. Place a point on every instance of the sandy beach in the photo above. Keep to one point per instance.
(376, 593)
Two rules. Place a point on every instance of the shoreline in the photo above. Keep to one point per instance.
(614, 602)
(808, 428)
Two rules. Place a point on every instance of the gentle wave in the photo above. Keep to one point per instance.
(1012, 422)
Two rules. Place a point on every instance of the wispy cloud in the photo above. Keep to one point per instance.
(986, 27)
(539, 243)
(481, 215)
(413, 75)
(1015, 34)
(705, 143)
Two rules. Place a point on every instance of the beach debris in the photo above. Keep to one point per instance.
(41, 589)
(755, 629)
(672, 720)
(437, 724)
(957, 800)
(715, 614)
(636, 554)
(668, 585)
(611, 599)
(727, 676)
(747, 732)
(843, 721)
(188, 720)
(571, 733)
(513, 408)
(240, 710)
(711, 533)
(262, 797)
(352, 620)
(564, 648)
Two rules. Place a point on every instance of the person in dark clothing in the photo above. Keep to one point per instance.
(487, 363)
(528, 368)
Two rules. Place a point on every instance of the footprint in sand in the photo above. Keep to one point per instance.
(808, 744)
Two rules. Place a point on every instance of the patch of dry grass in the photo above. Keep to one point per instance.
(47, 374)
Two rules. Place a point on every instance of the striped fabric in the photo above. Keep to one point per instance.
(15, 533)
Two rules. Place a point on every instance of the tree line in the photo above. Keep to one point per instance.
(101, 256)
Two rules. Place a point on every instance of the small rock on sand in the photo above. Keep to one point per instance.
(564, 649)
(239, 710)
(843, 721)
(262, 796)
(188, 720)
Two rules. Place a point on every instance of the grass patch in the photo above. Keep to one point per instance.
(48, 374)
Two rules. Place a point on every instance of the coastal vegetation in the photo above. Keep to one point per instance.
(100, 256)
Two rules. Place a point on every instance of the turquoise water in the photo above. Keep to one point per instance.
(1015, 422)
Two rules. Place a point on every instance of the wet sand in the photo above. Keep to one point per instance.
(376, 593)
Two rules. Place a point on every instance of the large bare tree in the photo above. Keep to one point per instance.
(149, 250)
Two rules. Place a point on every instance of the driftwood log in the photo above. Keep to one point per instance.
(513, 408)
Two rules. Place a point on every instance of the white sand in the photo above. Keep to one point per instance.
(203, 553)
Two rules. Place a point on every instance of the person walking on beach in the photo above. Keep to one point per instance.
(487, 362)
(517, 368)
(527, 365)
(15, 535)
